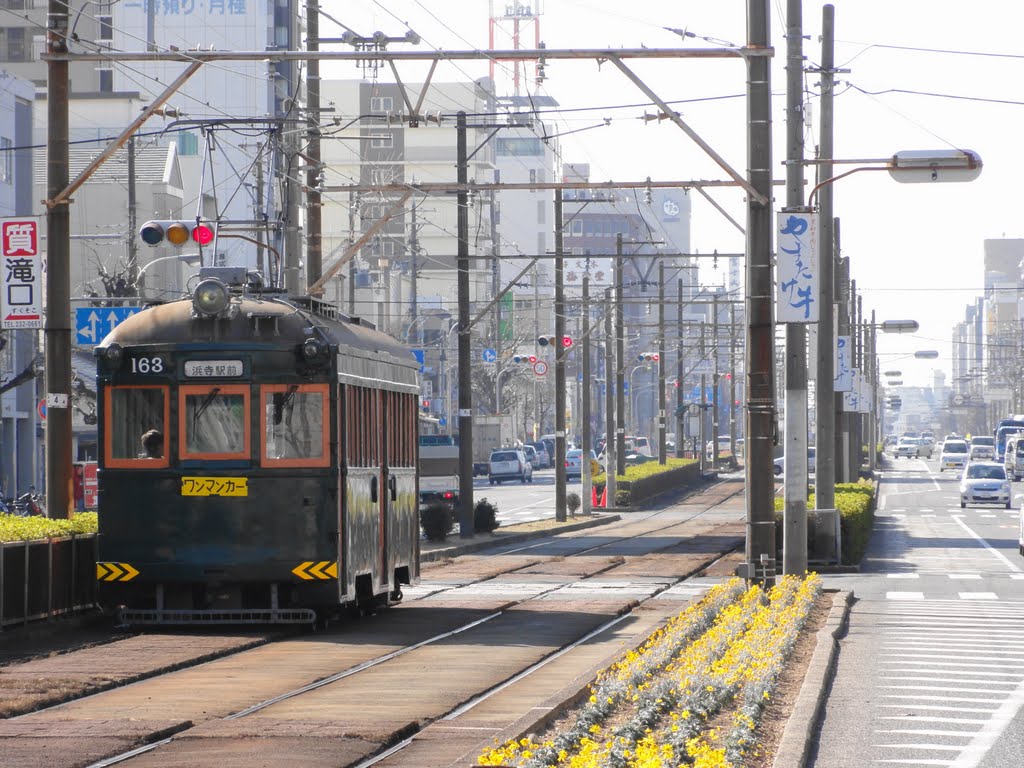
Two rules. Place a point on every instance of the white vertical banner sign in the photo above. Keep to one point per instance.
(865, 395)
(844, 365)
(851, 397)
(796, 268)
(21, 274)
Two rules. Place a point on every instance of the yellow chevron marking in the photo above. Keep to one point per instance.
(332, 570)
(115, 572)
(101, 571)
(130, 572)
(300, 571)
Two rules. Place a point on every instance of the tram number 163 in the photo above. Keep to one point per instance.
(147, 365)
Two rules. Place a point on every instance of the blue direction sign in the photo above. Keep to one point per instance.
(489, 356)
(420, 358)
(93, 323)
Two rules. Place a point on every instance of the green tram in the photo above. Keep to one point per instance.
(257, 461)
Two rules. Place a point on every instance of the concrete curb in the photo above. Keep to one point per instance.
(500, 539)
(805, 719)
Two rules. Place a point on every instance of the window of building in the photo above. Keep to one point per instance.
(12, 44)
(519, 147)
(6, 161)
(533, 175)
(106, 24)
(383, 141)
(106, 81)
(577, 226)
(542, 208)
(382, 104)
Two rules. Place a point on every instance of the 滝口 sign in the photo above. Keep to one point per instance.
(796, 265)
(21, 282)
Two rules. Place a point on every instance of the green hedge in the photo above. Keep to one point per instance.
(642, 481)
(17, 528)
(856, 505)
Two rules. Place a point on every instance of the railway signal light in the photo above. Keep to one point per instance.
(176, 232)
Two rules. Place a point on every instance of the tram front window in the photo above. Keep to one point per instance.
(132, 412)
(214, 422)
(293, 423)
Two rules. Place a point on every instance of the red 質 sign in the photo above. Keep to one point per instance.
(20, 274)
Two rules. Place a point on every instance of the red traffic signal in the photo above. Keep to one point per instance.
(655, 357)
(567, 341)
(533, 358)
(176, 233)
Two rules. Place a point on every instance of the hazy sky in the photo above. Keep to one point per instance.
(916, 250)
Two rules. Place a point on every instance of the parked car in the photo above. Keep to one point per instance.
(509, 464)
(1013, 457)
(531, 456)
(574, 464)
(983, 448)
(780, 462)
(643, 445)
(985, 482)
(545, 458)
(954, 455)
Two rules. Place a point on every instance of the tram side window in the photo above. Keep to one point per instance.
(132, 412)
(294, 425)
(215, 422)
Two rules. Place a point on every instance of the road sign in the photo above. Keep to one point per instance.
(94, 323)
(41, 409)
(420, 357)
(540, 368)
(489, 355)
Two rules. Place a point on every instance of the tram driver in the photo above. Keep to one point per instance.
(153, 445)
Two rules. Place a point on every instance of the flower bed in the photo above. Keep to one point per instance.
(856, 505)
(653, 708)
(17, 528)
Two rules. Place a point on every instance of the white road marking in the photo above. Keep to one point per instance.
(902, 576)
(978, 596)
(904, 595)
(964, 575)
(999, 555)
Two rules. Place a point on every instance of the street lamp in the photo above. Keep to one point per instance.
(926, 354)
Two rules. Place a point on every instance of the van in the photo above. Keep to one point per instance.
(1014, 457)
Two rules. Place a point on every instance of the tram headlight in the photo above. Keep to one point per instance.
(114, 354)
(210, 297)
(311, 349)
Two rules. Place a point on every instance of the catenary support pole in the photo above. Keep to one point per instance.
(760, 346)
(57, 322)
(314, 218)
(609, 397)
(465, 380)
(662, 453)
(794, 516)
(824, 390)
(680, 415)
(620, 364)
(559, 355)
(586, 388)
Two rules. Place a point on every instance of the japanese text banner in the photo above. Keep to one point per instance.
(21, 274)
(796, 266)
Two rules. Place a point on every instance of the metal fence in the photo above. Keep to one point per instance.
(50, 577)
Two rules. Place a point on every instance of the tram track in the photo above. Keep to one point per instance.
(507, 609)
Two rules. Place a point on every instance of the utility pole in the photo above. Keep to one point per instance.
(702, 440)
(760, 344)
(662, 451)
(133, 244)
(620, 404)
(560, 355)
(827, 530)
(586, 478)
(794, 516)
(680, 416)
(314, 220)
(414, 270)
(732, 382)
(610, 464)
(353, 208)
(537, 431)
(57, 323)
(717, 379)
(261, 216)
(465, 380)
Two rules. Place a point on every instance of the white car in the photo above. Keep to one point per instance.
(780, 462)
(954, 455)
(574, 463)
(983, 448)
(509, 464)
(984, 482)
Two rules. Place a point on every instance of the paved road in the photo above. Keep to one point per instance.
(932, 670)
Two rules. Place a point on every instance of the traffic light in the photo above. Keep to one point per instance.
(176, 232)
(545, 341)
(647, 357)
(519, 359)
(567, 341)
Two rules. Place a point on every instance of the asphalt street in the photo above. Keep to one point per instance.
(931, 672)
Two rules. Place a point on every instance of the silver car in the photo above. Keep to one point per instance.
(984, 482)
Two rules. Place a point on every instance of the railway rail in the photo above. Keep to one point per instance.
(483, 640)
